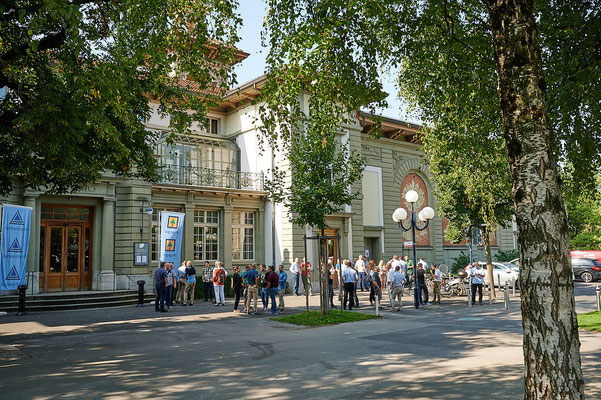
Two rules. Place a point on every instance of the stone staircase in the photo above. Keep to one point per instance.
(73, 300)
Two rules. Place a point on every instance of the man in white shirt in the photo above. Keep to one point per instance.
(423, 263)
(398, 280)
(295, 270)
(350, 278)
(360, 267)
(396, 262)
(477, 273)
(389, 277)
(437, 275)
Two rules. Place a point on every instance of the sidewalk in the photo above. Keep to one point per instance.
(445, 351)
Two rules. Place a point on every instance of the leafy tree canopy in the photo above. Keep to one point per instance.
(80, 73)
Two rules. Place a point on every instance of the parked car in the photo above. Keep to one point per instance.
(596, 254)
(587, 269)
(512, 265)
(502, 271)
(515, 261)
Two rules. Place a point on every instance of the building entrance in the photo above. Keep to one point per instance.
(65, 248)
(332, 250)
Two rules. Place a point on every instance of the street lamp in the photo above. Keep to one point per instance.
(425, 215)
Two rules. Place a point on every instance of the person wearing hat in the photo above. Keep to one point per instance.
(477, 274)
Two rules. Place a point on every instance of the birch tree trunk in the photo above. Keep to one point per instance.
(550, 343)
(487, 253)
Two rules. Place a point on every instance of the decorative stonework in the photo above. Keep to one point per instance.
(370, 151)
(413, 181)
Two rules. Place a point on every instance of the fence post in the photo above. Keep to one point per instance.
(469, 293)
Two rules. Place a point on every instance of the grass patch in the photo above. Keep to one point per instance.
(314, 318)
(590, 321)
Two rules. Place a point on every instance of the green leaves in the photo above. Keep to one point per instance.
(81, 74)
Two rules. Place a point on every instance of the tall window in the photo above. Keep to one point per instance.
(243, 235)
(206, 235)
(476, 237)
(156, 230)
(212, 154)
(212, 126)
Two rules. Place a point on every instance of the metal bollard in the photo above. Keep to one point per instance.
(378, 305)
(469, 293)
(506, 294)
(22, 289)
(490, 292)
(598, 290)
(140, 293)
(513, 286)
(499, 280)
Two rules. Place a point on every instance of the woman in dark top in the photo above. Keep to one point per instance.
(237, 286)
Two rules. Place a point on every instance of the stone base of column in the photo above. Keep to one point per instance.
(105, 280)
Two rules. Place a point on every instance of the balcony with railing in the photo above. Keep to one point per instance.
(208, 177)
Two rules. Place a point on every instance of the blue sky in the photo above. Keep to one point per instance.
(253, 12)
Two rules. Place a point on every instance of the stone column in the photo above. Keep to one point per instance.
(227, 237)
(188, 245)
(260, 238)
(106, 277)
(33, 254)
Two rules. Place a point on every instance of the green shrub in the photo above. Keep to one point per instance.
(586, 241)
(460, 262)
(507, 255)
(199, 292)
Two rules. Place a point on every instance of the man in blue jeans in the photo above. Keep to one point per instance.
(273, 283)
(160, 278)
(263, 287)
(295, 270)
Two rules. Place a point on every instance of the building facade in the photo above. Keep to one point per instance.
(215, 176)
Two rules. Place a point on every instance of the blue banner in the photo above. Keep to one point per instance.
(16, 225)
(172, 232)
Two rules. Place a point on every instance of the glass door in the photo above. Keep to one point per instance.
(63, 258)
(72, 258)
(54, 267)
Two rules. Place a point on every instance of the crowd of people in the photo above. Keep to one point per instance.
(251, 283)
(391, 277)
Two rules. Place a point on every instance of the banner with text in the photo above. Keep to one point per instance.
(172, 232)
(16, 225)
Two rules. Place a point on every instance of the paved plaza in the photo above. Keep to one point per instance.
(438, 352)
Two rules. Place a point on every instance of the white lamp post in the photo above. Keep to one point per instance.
(425, 215)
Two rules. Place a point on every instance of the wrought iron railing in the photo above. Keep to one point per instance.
(191, 176)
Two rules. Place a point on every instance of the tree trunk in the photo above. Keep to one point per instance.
(325, 307)
(489, 271)
(550, 342)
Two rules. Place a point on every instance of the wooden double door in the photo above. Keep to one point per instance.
(65, 250)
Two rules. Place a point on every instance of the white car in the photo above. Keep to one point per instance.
(501, 272)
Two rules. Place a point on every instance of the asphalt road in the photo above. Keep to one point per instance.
(437, 352)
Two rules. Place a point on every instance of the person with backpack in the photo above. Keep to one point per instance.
(190, 275)
(219, 275)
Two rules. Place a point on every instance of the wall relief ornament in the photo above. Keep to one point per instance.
(415, 182)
